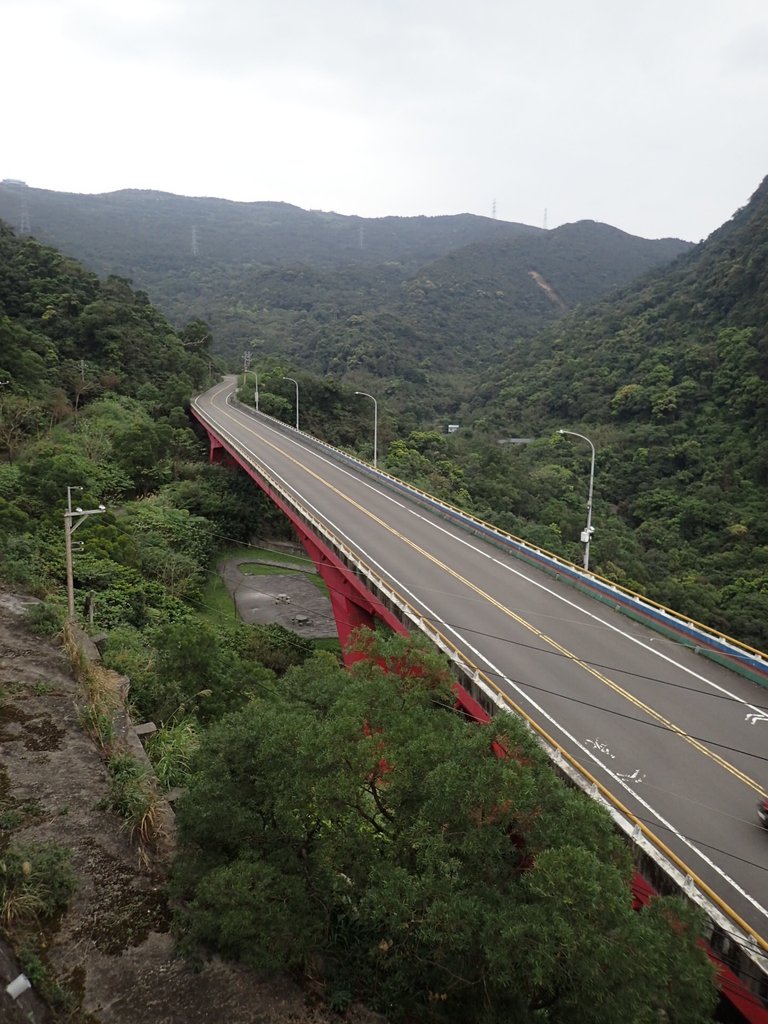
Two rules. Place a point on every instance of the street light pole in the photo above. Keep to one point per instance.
(256, 392)
(73, 519)
(296, 383)
(375, 425)
(586, 535)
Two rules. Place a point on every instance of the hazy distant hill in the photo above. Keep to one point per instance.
(145, 231)
(402, 298)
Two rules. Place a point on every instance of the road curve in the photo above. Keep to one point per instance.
(680, 741)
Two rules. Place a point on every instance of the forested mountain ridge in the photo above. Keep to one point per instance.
(115, 231)
(669, 379)
(504, 291)
(722, 282)
(406, 299)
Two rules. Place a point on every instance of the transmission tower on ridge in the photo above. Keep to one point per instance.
(493, 210)
(25, 228)
(545, 218)
(195, 248)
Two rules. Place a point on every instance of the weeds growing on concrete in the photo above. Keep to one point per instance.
(170, 750)
(36, 881)
(134, 795)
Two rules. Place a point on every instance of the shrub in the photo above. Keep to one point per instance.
(44, 619)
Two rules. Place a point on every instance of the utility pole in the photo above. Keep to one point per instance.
(586, 533)
(375, 426)
(73, 519)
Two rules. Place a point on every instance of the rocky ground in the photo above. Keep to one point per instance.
(111, 950)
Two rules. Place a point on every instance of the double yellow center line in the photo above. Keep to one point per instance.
(610, 683)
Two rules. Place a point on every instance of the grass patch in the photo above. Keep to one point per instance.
(57, 995)
(36, 881)
(265, 555)
(303, 564)
(132, 793)
(44, 619)
(11, 819)
(170, 750)
(328, 643)
(99, 724)
(216, 605)
(102, 696)
(254, 569)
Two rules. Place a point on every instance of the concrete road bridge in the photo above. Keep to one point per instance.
(662, 721)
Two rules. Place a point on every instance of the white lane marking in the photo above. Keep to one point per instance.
(760, 716)
(517, 572)
(602, 622)
(521, 693)
(637, 776)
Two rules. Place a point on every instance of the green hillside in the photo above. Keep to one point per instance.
(62, 328)
(670, 382)
(147, 231)
(407, 300)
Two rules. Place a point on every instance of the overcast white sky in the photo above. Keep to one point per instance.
(650, 115)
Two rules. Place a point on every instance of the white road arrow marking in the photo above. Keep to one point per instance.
(758, 716)
(602, 747)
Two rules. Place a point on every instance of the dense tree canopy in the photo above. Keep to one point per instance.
(670, 382)
(354, 826)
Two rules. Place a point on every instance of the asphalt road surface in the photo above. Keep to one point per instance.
(680, 741)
